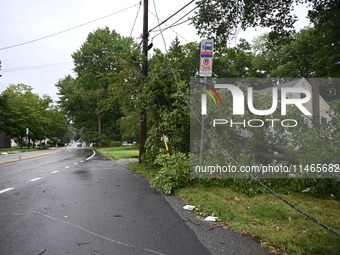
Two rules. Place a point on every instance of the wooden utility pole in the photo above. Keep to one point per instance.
(142, 129)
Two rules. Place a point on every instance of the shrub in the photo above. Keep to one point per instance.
(174, 172)
(115, 143)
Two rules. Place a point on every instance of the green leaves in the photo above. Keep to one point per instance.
(24, 109)
(220, 18)
(91, 100)
(174, 172)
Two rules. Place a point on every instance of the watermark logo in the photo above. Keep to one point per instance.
(209, 90)
(239, 100)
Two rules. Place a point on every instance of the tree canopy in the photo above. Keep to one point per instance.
(87, 98)
(21, 109)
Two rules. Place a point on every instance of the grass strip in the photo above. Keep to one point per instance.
(273, 223)
(120, 148)
(118, 154)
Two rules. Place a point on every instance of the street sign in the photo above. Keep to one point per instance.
(206, 58)
(27, 131)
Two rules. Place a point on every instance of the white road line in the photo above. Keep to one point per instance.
(67, 167)
(94, 153)
(5, 190)
(35, 179)
(82, 161)
(54, 172)
(75, 164)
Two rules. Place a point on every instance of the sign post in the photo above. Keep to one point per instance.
(206, 62)
(28, 142)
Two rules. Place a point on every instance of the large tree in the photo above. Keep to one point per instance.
(87, 99)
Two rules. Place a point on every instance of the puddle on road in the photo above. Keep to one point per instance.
(83, 174)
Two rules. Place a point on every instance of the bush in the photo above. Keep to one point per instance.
(105, 142)
(174, 172)
(115, 143)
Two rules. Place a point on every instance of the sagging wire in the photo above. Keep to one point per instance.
(159, 24)
(169, 27)
(174, 24)
(66, 30)
(134, 23)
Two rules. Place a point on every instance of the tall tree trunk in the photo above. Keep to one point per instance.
(99, 130)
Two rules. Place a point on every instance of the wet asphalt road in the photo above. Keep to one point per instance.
(62, 203)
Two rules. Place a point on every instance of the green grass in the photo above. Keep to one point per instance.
(17, 148)
(147, 172)
(116, 154)
(120, 148)
(275, 224)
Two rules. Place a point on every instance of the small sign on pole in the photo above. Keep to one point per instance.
(27, 131)
(206, 58)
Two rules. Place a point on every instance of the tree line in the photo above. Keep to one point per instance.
(21, 110)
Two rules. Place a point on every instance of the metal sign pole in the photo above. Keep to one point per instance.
(202, 137)
(206, 57)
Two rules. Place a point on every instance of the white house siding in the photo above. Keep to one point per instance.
(324, 106)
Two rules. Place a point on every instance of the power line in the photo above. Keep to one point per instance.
(134, 23)
(174, 24)
(169, 27)
(172, 15)
(69, 29)
(154, 5)
(28, 68)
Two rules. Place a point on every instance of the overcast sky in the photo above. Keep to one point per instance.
(41, 63)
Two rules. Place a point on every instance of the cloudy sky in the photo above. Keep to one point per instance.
(42, 62)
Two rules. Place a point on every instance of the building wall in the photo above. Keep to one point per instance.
(324, 106)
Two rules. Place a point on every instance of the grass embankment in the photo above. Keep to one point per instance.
(272, 222)
(120, 152)
(17, 148)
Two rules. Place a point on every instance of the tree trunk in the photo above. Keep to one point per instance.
(99, 130)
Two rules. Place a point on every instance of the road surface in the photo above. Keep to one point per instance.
(62, 203)
(73, 201)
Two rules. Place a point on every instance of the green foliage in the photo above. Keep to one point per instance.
(25, 109)
(115, 144)
(89, 99)
(128, 126)
(174, 172)
(233, 62)
(106, 142)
